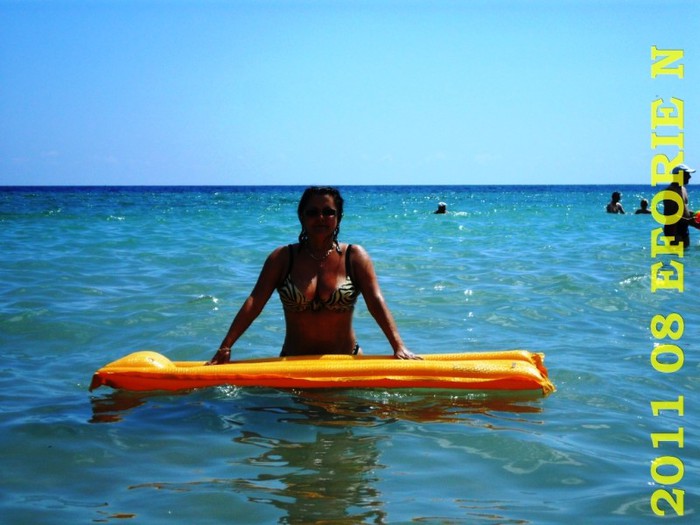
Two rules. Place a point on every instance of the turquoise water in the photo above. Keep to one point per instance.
(89, 275)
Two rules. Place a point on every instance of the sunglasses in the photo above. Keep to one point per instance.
(315, 212)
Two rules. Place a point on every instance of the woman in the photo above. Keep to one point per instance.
(318, 280)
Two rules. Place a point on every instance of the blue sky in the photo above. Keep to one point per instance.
(338, 92)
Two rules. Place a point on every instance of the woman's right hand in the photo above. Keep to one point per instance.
(222, 356)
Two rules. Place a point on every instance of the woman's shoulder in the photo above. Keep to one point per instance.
(282, 248)
(285, 249)
(353, 249)
(357, 255)
(277, 264)
(281, 254)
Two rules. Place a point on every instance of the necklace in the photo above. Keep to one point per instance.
(315, 257)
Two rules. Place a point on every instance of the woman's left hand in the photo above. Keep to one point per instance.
(405, 353)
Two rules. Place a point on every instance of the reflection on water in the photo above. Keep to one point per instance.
(312, 456)
(372, 407)
(113, 407)
(329, 479)
(363, 407)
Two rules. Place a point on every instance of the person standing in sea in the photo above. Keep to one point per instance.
(615, 206)
(318, 280)
(679, 230)
(643, 208)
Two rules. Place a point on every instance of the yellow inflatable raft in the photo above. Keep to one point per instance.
(506, 370)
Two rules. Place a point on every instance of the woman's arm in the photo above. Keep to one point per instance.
(366, 281)
(270, 276)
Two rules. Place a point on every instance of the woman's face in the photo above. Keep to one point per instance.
(320, 216)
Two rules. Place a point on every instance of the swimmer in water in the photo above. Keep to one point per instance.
(615, 206)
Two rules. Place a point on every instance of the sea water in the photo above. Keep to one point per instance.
(88, 275)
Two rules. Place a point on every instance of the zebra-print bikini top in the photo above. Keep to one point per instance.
(342, 299)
